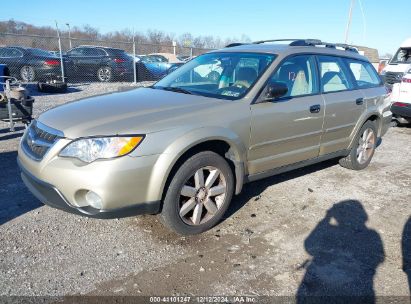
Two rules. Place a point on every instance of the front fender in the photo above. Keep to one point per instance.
(177, 148)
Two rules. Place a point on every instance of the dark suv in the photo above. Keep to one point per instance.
(104, 63)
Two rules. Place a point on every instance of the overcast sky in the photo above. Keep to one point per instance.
(382, 25)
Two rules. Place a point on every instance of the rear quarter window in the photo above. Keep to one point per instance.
(364, 73)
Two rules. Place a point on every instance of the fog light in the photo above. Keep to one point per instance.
(94, 200)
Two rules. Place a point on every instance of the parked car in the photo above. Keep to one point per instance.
(399, 64)
(167, 57)
(29, 64)
(184, 58)
(401, 99)
(382, 64)
(4, 72)
(186, 145)
(57, 53)
(154, 67)
(103, 63)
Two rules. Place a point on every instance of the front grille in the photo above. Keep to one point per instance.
(393, 77)
(39, 139)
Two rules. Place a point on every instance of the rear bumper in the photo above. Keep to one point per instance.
(404, 111)
(47, 71)
(51, 196)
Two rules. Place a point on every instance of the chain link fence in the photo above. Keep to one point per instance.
(33, 58)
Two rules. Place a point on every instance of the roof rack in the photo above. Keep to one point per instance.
(235, 44)
(304, 42)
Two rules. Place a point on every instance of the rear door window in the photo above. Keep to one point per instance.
(333, 74)
(91, 52)
(11, 53)
(3, 52)
(364, 73)
(76, 52)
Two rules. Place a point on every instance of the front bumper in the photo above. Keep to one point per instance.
(51, 196)
(121, 183)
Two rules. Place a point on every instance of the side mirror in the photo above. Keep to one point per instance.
(275, 90)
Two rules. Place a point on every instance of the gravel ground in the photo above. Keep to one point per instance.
(312, 231)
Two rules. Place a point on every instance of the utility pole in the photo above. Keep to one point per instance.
(61, 54)
(349, 21)
(68, 25)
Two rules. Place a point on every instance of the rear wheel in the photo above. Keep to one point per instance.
(199, 194)
(363, 149)
(105, 74)
(27, 73)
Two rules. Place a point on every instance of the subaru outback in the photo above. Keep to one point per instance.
(184, 146)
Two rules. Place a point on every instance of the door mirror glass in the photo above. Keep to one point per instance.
(275, 90)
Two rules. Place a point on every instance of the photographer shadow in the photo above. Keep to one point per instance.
(345, 256)
(406, 251)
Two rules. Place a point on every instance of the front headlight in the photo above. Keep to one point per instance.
(91, 149)
(383, 72)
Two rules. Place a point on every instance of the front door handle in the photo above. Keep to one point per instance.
(315, 108)
(359, 101)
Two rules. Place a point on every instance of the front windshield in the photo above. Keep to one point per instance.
(219, 75)
(403, 55)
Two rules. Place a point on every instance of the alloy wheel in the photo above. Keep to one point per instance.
(27, 73)
(104, 74)
(202, 195)
(366, 146)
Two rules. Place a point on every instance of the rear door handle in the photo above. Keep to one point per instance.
(359, 101)
(315, 108)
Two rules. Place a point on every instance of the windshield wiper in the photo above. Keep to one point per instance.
(178, 90)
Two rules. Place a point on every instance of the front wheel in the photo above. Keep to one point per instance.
(363, 149)
(199, 194)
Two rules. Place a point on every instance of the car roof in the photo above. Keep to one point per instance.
(340, 50)
(98, 47)
(16, 47)
(23, 48)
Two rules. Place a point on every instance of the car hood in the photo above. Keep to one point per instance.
(138, 111)
(400, 67)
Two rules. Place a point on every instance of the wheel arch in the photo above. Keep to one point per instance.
(224, 142)
(372, 116)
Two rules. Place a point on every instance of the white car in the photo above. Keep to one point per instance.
(399, 65)
(401, 99)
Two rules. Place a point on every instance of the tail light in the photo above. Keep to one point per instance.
(52, 62)
(406, 80)
(400, 104)
(119, 60)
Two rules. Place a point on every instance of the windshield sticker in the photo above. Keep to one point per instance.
(230, 93)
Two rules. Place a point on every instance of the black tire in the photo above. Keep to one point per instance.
(170, 214)
(27, 73)
(57, 87)
(351, 161)
(105, 74)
